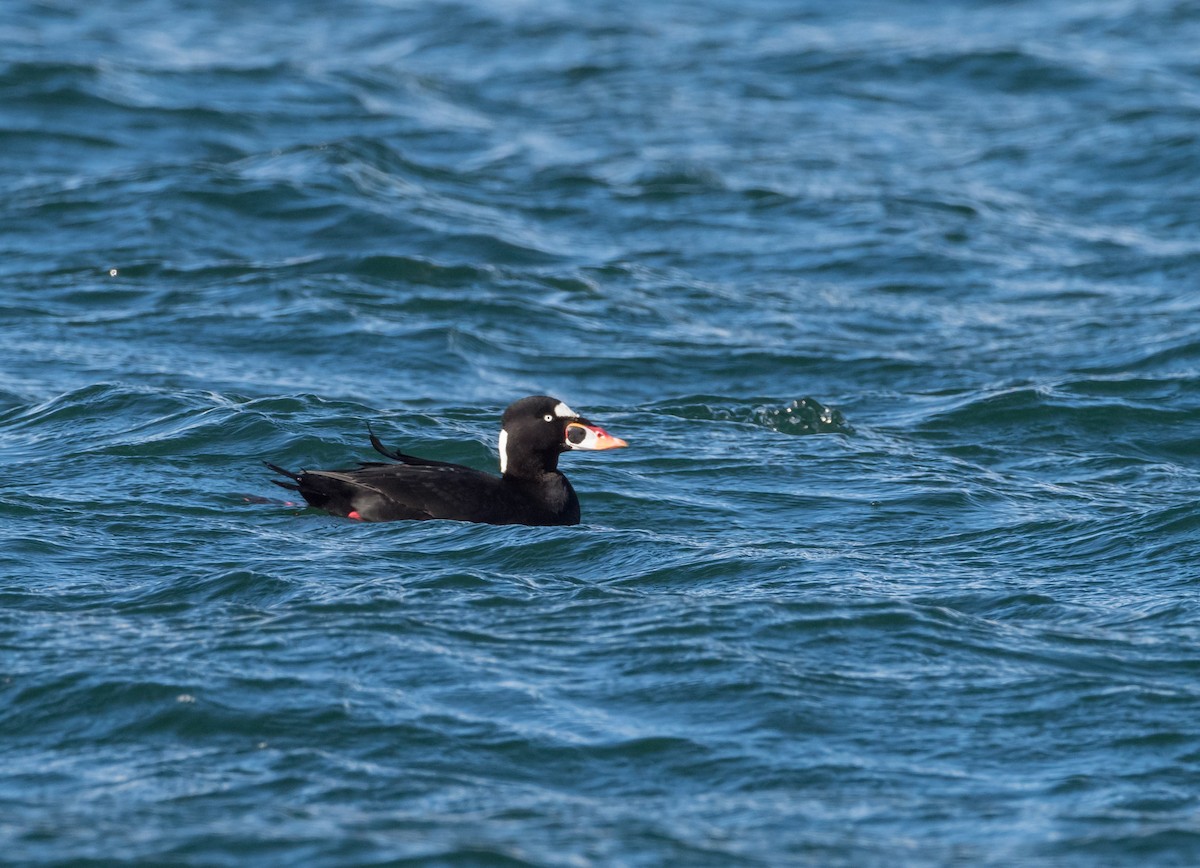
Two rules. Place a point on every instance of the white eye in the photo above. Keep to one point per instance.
(548, 418)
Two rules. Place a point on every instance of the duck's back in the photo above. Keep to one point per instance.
(394, 492)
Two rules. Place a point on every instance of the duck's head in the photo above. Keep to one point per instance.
(536, 430)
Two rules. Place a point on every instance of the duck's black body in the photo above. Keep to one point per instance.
(394, 492)
(530, 490)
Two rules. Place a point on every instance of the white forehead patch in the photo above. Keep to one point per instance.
(503, 452)
(563, 411)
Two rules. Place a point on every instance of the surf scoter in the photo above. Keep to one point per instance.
(529, 490)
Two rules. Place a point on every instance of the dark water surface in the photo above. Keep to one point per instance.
(961, 628)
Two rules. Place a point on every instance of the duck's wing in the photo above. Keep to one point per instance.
(397, 492)
(404, 457)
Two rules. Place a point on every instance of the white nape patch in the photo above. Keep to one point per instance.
(563, 411)
(503, 452)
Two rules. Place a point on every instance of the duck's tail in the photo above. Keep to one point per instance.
(295, 477)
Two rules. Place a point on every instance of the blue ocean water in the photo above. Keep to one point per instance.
(898, 306)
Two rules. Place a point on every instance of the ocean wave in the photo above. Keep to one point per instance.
(234, 235)
(799, 416)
